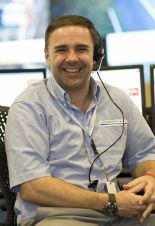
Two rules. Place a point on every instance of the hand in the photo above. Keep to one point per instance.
(147, 185)
(129, 204)
(146, 212)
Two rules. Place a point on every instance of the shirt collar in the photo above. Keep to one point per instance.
(59, 93)
(55, 89)
(94, 89)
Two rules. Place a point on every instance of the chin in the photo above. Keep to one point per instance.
(71, 86)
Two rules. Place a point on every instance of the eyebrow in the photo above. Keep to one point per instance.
(83, 45)
(65, 46)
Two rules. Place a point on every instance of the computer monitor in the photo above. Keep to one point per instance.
(152, 84)
(14, 81)
(128, 78)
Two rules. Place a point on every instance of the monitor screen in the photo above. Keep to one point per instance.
(14, 81)
(128, 78)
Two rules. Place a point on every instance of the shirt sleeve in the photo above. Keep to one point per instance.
(140, 139)
(26, 143)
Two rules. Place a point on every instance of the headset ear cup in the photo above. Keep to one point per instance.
(98, 56)
(98, 51)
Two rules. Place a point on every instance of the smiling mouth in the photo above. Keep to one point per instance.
(72, 70)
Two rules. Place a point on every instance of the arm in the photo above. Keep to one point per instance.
(140, 148)
(144, 167)
(50, 191)
(145, 183)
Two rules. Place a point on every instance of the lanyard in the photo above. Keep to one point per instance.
(91, 126)
(92, 122)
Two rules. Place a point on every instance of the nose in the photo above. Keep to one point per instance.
(72, 56)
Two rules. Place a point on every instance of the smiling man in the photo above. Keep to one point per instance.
(71, 60)
(67, 138)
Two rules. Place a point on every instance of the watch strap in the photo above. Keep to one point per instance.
(112, 198)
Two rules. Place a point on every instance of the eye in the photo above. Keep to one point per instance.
(61, 50)
(82, 48)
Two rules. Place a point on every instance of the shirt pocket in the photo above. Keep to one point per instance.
(110, 139)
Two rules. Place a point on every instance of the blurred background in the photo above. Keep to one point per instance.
(126, 27)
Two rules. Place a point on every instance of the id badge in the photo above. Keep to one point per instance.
(111, 187)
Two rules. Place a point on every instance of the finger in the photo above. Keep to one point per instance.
(134, 183)
(138, 215)
(146, 213)
(147, 196)
(131, 184)
(135, 189)
(152, 199)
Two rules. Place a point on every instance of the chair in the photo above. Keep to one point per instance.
(9, 197)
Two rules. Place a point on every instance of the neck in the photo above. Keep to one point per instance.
(81, 100)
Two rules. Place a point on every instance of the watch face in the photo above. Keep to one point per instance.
(110, 209)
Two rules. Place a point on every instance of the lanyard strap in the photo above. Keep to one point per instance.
(92, 122)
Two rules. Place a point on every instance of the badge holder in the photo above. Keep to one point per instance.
(110, 186)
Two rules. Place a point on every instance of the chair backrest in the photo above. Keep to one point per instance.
(4, 174)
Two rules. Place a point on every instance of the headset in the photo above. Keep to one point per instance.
(98, 52)
(98, 58)
(93, 183)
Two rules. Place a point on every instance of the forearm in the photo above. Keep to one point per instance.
(144, 167)
(49, 191)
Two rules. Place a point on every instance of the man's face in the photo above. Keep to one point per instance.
(70, 56)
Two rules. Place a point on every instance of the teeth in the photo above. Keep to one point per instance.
(72, 70)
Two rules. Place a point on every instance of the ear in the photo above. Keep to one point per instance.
(46, 56)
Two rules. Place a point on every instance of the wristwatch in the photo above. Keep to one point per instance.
(110, 208)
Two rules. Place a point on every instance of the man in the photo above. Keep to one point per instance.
(67, 138)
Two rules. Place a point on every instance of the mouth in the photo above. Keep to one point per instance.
(71, 70)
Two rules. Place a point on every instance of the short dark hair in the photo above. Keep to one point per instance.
(79, 21)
